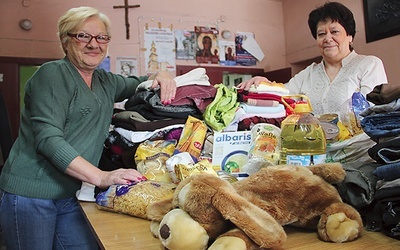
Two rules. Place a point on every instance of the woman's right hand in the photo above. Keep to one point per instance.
(253, 81)
(121, 176)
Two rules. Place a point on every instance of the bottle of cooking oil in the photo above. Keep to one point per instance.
(302, 136)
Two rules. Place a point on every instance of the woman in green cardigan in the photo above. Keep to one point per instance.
(65, 121)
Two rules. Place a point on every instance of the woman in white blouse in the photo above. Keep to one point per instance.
(330, 83)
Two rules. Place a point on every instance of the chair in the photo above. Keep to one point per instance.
(6, 138)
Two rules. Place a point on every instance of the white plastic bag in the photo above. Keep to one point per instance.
(351, 150)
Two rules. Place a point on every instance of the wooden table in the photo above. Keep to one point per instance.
(118, 232)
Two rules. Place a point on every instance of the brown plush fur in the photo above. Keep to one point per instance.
(262, 203)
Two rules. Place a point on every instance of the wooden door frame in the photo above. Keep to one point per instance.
(10, 85)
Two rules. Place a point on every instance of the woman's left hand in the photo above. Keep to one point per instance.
(167, 86)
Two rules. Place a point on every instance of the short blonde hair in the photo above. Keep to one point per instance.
(73, 18)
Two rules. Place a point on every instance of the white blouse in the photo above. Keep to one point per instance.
(358, 73)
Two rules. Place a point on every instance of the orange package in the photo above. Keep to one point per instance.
(192, 137)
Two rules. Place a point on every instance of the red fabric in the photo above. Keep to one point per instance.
(243, 96)
(197, 95)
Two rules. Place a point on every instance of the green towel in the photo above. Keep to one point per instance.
(220, 113)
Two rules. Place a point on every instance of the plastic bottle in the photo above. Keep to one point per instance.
(302, 136)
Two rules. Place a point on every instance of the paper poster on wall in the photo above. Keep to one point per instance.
(185, 45)
(159, 52)
(127, 66)
(227, 55)
(243, 57)
(207, 49)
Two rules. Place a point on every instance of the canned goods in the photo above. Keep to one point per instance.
(331, 118)
(331, 131)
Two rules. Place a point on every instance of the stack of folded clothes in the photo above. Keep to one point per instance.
(262, 104)
(381, 123)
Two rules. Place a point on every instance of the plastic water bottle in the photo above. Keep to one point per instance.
(302, 136)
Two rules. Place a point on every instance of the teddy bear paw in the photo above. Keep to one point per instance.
(228, 242)
(341, 228)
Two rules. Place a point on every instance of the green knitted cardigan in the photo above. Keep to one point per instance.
(62, 118)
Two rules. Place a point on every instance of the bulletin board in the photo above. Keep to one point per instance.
(150, 55)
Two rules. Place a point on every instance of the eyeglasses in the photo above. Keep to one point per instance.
(86, 38)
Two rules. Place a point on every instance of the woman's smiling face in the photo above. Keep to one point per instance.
(333, 41)
(88, 56)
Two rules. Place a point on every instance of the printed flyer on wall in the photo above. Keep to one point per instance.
(185, 44)
(159, 50)
(243, 57)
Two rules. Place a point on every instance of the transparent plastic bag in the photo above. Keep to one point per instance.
(151, 157)
(350, 112)
(264, 147)
(134, 199)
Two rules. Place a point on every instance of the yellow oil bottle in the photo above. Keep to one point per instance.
(302, 136)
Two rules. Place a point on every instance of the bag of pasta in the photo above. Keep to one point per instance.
(134, 199)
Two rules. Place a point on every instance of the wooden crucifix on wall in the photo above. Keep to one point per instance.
(126, 6)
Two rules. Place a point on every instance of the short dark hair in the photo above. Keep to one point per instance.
(335, 11)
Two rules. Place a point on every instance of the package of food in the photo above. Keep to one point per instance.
(181, 158)
(183, 171)
(265, 142)
(192, 137)
(151, 157)
(264, 147)
(134, 199)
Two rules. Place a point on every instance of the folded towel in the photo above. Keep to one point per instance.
(196, 76)
(270, 87)
(262, 109)
(265, 103)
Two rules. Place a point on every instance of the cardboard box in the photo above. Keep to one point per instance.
(230, 150)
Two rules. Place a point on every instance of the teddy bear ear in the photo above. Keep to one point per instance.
(256, 223)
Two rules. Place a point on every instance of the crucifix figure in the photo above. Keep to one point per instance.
(126, 6)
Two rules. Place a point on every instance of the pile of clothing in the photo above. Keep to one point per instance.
(381, 123)
(262, 104)
(144, 117)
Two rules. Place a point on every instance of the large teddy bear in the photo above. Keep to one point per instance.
(207, 212)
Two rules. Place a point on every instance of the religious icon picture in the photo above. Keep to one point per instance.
(227, 53)
(207, 49)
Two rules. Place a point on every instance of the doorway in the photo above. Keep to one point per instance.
(14, 72)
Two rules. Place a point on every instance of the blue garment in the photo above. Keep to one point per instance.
(388, 172)
(57, 224)
(382, 125)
